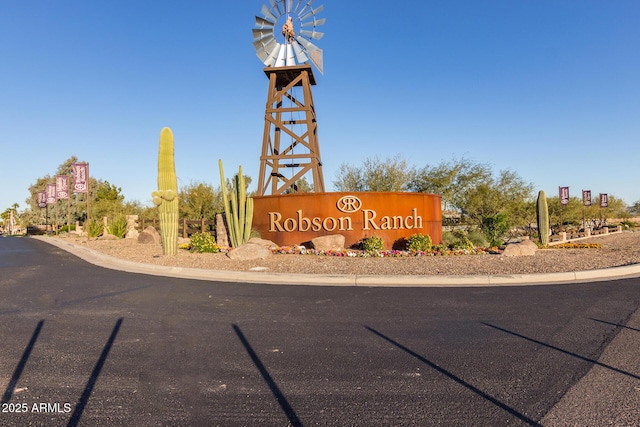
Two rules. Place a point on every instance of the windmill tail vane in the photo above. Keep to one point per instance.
(297, 48)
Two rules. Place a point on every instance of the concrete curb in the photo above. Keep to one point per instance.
(106, 261)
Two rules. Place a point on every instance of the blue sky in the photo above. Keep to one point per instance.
(547, 88)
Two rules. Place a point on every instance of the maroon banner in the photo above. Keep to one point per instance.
(62, 187)
(586, 197)
(604, 200)
(51, 194)
(564, 195)
(81, 177)
(42, 199)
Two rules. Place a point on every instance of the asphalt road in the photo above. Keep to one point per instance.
(84, 345)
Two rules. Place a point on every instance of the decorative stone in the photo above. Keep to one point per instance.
(222, 237)
(262, 242)
(248, 252)
(334, 242)
(132, 233)
(149, 236)
(525, 248)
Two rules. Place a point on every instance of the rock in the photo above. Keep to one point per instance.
(334, 242)
(149, 236)
(249, 251)
(107, 236)
(222, 237)
(132, 234)
(262, 242)
(525, 248)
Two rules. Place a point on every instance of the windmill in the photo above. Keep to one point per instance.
(290, 147)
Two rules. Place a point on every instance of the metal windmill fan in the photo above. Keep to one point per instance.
(297, 48)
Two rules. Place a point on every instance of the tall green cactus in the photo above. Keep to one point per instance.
(238, 208)
(166, 197)
(542, 211)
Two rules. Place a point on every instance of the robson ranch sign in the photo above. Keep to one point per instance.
(296, 219)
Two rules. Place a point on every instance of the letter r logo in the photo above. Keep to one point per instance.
(349, 204)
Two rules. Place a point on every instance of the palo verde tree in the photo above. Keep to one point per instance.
(390, 174)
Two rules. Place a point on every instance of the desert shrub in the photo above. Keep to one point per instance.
(419, 242)
(372, 244)
(204, 242)
(462, 242)
(94, 228)
(495, 227)
(118, 226)
(478, 239)
(65, 228)
(457, 239)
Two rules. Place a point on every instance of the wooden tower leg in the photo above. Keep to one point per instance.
(290, 148)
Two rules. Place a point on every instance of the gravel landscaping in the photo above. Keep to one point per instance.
(617, 249)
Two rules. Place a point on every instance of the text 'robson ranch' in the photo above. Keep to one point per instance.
(344, 223)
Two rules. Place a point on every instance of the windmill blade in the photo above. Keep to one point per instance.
(275, 5)
(267, 14)
(289, 7)
(264, 47)
(273, 55)
(263, 23)
(262, 33)
(264, 42)
(295, 10)
(315, 22)
(312, 13)
(300, 55)
(313, 51)
(312, 34)
(307, 5)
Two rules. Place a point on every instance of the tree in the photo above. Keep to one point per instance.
(473, 190)
(199, 201)
(301, 186)
(390, 174)
(635, 208)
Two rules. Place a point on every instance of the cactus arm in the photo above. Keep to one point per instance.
(227, 207)
(242, 203)
(249, 219)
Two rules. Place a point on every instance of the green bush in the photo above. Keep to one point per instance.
(118, 227)
(204, 242)
(372, 244)
(478, 239)
(65, 228)
(419, 242)
(457, 240)
(94, 228)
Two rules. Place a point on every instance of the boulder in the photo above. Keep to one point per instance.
(149, 236)
(249, 251)
(524, 248)
(262, 242)
(334, 242)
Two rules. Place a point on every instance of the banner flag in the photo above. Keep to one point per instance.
(51, 194)
(586, 197)
(604, 200)
(62, 187)
(42, 199)
(80, 177)
(564, 195)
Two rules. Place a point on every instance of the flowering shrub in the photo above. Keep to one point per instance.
(203, 242)
(419, 242)
(434, 251)
(373, 244)
(577, 246)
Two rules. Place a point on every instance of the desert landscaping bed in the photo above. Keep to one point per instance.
(616, 250)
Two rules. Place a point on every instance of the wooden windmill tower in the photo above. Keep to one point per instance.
(290, 149)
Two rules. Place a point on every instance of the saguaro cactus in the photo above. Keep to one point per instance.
(238, 208)
(166, 197)
(542, 211)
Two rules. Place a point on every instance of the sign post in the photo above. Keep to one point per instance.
(81, 185)
(586, 201)
(51, 200)
(564, 200)
(62, 192)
